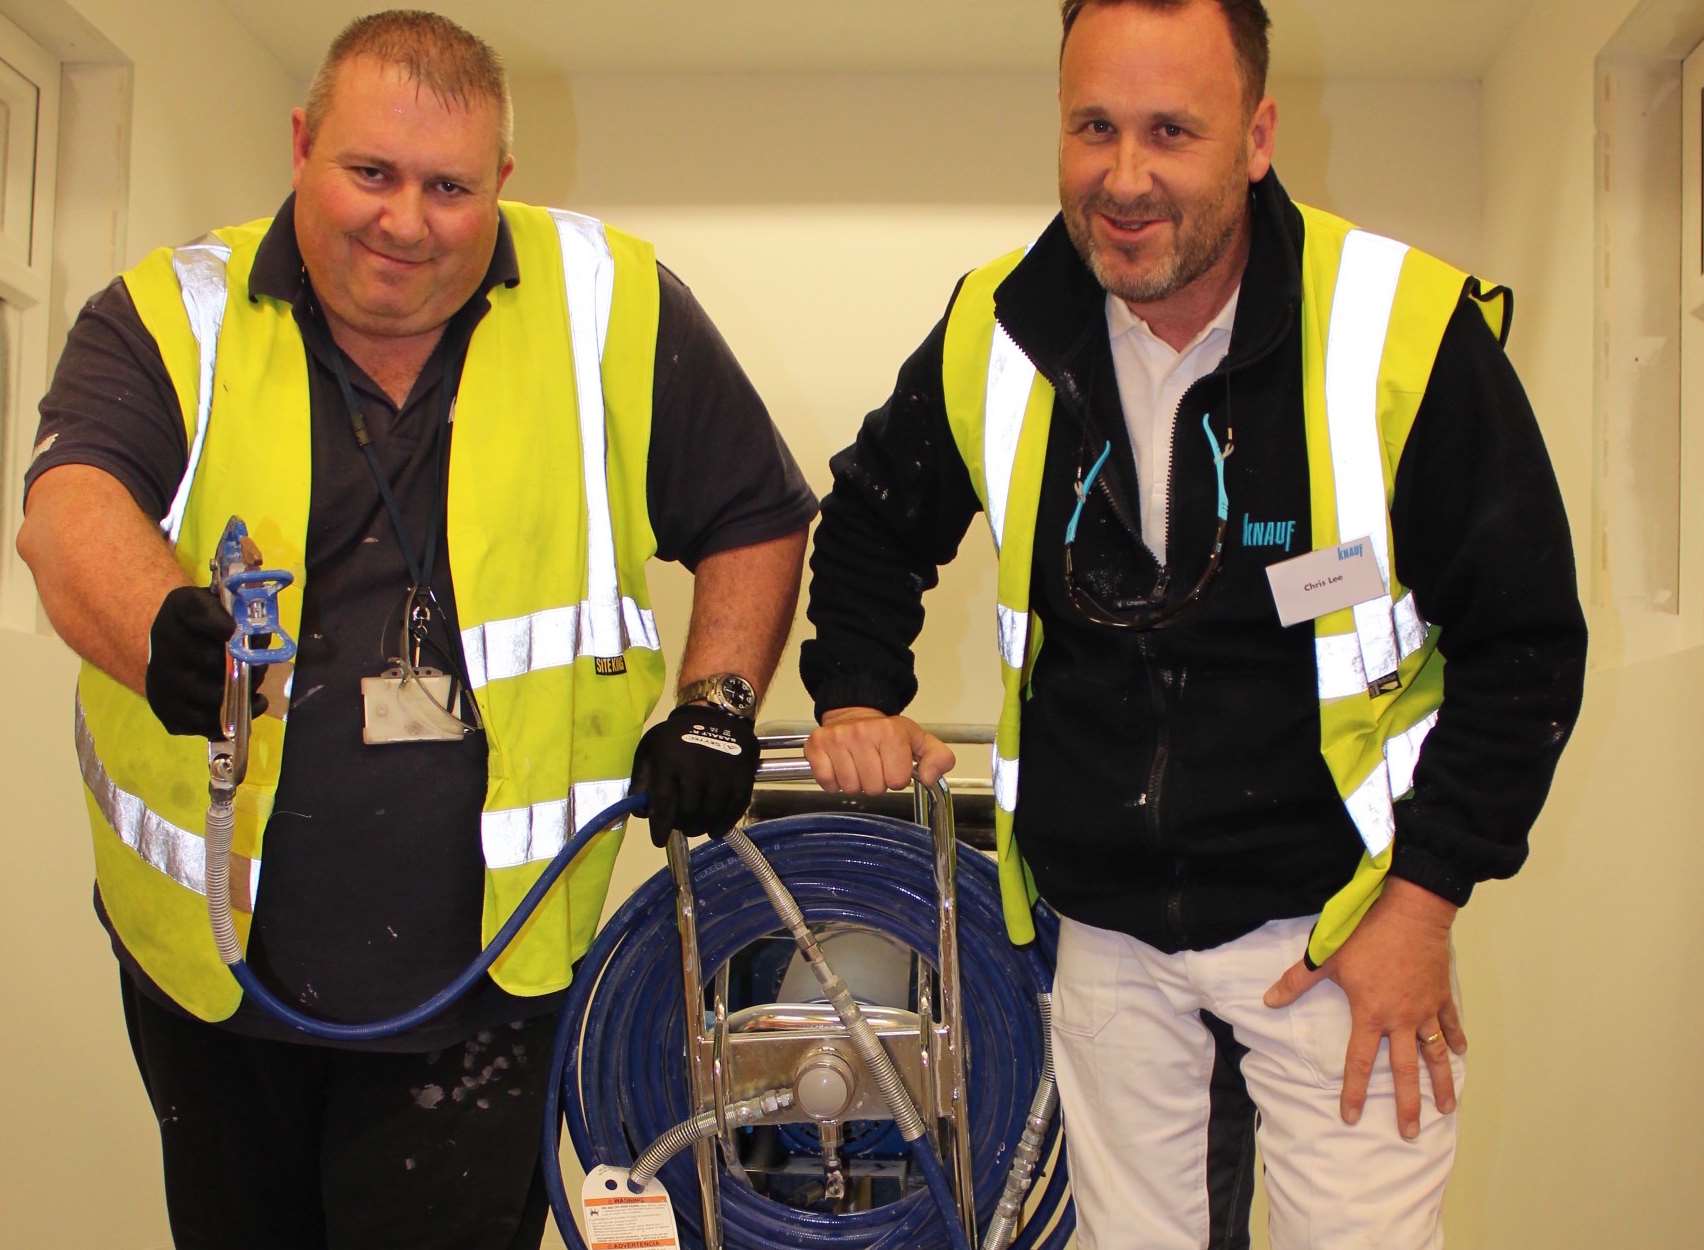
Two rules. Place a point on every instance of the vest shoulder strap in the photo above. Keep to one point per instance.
(966, 365)
(181, 295)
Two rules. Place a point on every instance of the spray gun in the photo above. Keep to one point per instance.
(250, 594)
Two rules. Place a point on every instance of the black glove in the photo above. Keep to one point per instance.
(698, 767)
(186, 663)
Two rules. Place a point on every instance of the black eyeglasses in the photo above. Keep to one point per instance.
(1153, 610)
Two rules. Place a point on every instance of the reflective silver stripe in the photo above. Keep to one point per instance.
(1010, 378)
(1402, 754)
(591, 797)
(1371, 806)
(641, 625)
(1337, 657)
(178, 853)
(588, 276)
(1411, 627)
(1005, 782)
(1013, 627)
(528, 835)
(1367, 279)
(551, 638)
(200, 269)
(521, 644)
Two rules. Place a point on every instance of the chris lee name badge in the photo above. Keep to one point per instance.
(1309, 586)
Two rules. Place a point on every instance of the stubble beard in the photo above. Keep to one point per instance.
(1201, 239)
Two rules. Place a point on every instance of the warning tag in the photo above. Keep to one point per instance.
(619, 1219)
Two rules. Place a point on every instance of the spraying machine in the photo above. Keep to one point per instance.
(730, 1061)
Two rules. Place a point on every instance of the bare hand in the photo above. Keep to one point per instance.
(859, 750)
(1395, 971)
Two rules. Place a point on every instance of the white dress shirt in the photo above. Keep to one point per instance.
(1152, 378)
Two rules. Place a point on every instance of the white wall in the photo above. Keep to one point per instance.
(1582, 1113)
(822, 222)
(211, 136)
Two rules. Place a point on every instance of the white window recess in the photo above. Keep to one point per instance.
(1647, 523)
(29, 129)
(1691, 467)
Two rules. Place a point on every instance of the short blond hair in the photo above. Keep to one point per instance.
(455, 65)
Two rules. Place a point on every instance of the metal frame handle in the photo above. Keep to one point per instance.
(934, 809)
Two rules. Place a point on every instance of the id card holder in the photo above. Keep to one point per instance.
(409, 706)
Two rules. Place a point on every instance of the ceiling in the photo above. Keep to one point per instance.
(1311, 38)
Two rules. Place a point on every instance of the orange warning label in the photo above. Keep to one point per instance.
(625, 1200)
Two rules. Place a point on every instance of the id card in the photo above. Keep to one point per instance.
(617, 1218)
(399, 707)
(1309, 586)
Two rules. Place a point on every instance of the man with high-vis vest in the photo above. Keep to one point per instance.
(464, 426)
(1289, 635)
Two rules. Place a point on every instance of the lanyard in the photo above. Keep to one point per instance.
(421, 598)
(419, 570)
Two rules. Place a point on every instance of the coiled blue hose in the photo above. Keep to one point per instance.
(629, 1085)
(619, 1062)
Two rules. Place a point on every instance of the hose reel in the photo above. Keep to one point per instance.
(629, 1074)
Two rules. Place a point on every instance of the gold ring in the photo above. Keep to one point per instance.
(1432, 1037)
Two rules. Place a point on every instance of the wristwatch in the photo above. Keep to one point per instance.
(728, 691)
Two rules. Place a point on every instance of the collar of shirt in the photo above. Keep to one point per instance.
(1152, 379)
(278, 272)
(1121, 323)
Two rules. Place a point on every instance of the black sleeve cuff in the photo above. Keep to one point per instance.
(1423, 868)
(839, 687)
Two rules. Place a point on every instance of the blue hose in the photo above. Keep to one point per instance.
(630, 1087)
(935, 1176)
(280, 1010)
(628, 1084)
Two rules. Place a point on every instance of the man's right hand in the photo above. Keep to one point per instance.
(860, 750)
(186, 663)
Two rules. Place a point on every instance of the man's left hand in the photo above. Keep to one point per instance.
(1395, 971)
(698, 767)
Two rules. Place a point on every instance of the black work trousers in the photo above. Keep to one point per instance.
(277, 1146)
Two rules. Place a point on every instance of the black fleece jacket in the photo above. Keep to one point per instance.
(1172, 785)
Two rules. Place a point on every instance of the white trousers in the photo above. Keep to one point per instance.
(1135, 1056)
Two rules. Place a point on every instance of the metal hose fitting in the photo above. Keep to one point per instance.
(1008, 1214)
(216, 871)
(700, 1127)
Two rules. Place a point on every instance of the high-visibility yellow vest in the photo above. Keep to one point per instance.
(548, 534)
(1374, 312)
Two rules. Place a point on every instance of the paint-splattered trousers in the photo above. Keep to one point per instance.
(278, 1146)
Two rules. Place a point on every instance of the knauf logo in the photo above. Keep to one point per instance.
(1268, 533)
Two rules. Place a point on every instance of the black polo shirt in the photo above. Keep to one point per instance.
(371, 886)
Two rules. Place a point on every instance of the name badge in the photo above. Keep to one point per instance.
(1307, 587)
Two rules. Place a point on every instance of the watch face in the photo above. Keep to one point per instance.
(738, 694)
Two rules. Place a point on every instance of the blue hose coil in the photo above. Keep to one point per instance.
(867, 870)
(628, 1085)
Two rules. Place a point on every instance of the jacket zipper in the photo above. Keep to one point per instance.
(1153, 799)
(1174, 923)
